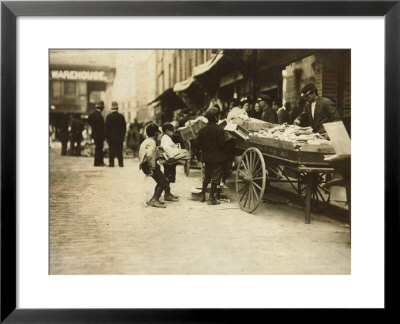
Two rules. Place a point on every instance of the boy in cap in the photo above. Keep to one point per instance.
(149, 166)
(166, 143)
(317, 110)
(212, 144)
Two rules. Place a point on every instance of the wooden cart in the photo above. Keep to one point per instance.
(265, 160)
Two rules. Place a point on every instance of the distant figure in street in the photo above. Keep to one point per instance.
(77, 127)
(235, 112)
(212, 144)
(317, 110)
(132, 138)
(96, 121)
(257, 112)
(283, 113)
(149, 166)
(115, 134)
(63, 133)
(269, 114)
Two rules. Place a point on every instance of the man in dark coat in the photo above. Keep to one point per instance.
(317, 110)
(63, 133)
(77, 127)
(211, 141)
(115, 134)
(96, 121)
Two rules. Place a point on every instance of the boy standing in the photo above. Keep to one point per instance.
(211, 141)
(167, 143)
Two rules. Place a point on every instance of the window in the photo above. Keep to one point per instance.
(56, 89)
(69, 89)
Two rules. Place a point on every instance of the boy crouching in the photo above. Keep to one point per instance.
(149, 166)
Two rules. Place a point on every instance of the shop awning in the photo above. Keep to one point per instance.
(183, 85)
(207, 66)
(161, 96)
(229, 79)
(168, 99)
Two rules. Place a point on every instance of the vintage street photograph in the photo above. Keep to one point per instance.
(199, 161)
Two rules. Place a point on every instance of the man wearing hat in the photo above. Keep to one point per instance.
(115, 134)
(268, 113)
(96, 121)
(317, 110)
(212, 144)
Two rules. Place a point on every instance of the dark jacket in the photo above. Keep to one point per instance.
(283, 116)
(212, 144)
(270, 116)
(255, 114)
(96, 121)
(325, 112)
(115, 127)
(77, 127)
(63, 126)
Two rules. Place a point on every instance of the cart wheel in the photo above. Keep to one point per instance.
(186, 166)
(318, 192)
(250, 179)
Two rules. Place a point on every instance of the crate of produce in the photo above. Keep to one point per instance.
(191, 130)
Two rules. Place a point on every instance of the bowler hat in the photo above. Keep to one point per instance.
(308, 88)
(114, 105)
(100, 104)
(264, 97)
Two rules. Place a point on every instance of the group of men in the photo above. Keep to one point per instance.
(113, 130)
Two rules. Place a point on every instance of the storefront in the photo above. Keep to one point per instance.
(75, 90)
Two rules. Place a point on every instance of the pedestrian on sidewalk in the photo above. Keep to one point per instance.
(149, 166)
(115, 134)
(132, 137)
(212, 144)
(63, 133)
(77, 127)
(96, 122)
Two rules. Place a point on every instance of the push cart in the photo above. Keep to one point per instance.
(267, 160)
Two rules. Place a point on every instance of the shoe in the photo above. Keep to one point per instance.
(203, 198)
(121, 166)
(110, 166)
(223, 186)
(213, 201)
(156, 203)
(171, 198)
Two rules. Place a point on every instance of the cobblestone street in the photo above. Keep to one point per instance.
(98, 225)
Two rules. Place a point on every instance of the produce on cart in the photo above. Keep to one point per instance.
(279, 153)
(189, 133)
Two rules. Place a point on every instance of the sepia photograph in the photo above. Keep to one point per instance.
(199, 161)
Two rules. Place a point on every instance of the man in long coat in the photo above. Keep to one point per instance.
(96, 121)
(317, 110)
(115, 134)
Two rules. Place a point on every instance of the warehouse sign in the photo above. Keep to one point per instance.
(79, 75)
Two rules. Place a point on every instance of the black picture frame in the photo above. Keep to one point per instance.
(9, 13)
